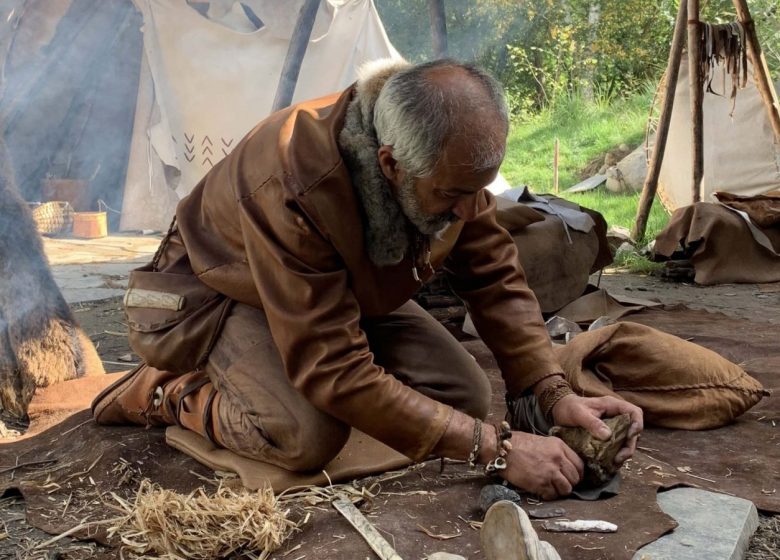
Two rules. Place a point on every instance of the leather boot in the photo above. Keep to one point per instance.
(507, 534)
(151, 397)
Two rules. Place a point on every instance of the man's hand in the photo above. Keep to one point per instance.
(585, 412)
(542, 465)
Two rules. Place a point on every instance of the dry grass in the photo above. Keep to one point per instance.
(199, 525)
(160, 523)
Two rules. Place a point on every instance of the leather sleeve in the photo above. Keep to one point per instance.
(483, 269)
(314, 320)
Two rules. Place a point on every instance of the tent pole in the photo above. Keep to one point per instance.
(438, 28)
(295, 53)
(662, 134)
(697, 97)
(760, 70)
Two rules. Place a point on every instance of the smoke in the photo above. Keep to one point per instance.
(69, 93)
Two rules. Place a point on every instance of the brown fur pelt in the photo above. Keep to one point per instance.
(40, 343)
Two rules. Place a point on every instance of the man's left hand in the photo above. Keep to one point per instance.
(585, 412)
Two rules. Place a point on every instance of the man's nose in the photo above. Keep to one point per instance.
(466, 208)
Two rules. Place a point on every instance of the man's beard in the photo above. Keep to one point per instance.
(429, 224)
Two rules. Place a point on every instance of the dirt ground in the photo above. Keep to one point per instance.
(756, 302)
(103, 321)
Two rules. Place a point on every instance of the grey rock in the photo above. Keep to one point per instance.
(625, 248)
(615, 182)
(616, 236)
(633, 169)
(492, 493)
(713, 526)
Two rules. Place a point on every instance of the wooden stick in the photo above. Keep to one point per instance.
(662, 134)
(72, 530)
(30, 464)
(376, 541)
(556, 152)
(295, 53)
(760, 70)
(697, 98)
(438, 28)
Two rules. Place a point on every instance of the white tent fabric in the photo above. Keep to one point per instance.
(213, 80)
(740, 153)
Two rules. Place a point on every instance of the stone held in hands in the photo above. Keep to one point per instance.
(598, 455)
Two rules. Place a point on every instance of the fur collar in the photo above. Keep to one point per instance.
(384, 224)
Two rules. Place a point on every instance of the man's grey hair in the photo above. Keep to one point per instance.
(417, 117)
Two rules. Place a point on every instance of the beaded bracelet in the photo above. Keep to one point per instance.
(475, 443)
(503, 447)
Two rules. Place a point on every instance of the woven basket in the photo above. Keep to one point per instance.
(53, 217)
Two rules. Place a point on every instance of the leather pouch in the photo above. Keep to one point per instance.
(173, 319)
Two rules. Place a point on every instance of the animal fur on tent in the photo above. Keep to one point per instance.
(40, 342)
(724, 43)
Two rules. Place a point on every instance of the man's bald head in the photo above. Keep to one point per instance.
(424, 109)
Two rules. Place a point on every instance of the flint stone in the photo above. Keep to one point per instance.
(492, 493)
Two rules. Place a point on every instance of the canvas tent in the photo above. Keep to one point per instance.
(142, 97)
(207, 80)
(740, 152)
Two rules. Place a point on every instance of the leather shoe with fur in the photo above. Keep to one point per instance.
(136, 398)
(507, 534)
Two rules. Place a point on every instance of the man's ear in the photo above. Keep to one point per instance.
(389, 165)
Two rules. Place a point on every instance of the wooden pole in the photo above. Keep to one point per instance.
(697, 98)
(556, 152)
(760, 70)
(295, 53)
(662, 134)
(438, 28)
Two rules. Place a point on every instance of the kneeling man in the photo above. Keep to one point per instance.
(313, 234)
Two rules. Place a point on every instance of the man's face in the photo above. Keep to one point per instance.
(449, 194)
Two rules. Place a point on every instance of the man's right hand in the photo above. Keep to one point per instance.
(545, 466)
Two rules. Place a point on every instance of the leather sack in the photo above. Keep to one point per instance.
(676, 383)
(173, 319)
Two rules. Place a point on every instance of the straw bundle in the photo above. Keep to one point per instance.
(201, 526)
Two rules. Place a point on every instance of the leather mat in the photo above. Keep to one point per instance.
(67, 473)
(362, 455)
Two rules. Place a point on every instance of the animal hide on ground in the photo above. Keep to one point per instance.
(40, 342)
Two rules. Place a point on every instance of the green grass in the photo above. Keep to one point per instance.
(620, 209)
(585, 130)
